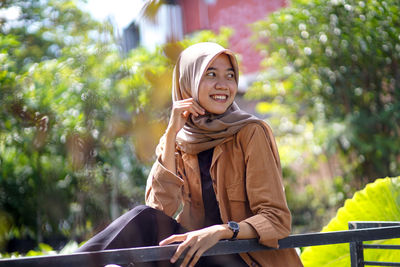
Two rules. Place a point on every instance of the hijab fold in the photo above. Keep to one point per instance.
(205, 131)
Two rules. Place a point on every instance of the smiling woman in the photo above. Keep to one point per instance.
(218, 166)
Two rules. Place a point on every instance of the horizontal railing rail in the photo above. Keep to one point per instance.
(357, 247)
(156, 253)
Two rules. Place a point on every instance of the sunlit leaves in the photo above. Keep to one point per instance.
(160, 92)
(344, 53)
(146, 134)
(75, 119)
(151, 8)
(80, 150)
(53, 130)
(78, 121)
(379, 201)
(172, 50)
(5, 225)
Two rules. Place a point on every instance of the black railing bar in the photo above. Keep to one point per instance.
(380, 246)
(371, 224)
(381, 263)
(156, 253)
(336, 237)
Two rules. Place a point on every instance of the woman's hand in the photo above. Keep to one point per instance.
(197, 242)
(180, 113)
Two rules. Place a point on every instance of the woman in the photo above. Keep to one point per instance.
(218, 166)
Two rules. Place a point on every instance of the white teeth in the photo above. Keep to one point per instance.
(219, 97)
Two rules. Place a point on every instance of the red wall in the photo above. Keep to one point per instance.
(237, 14)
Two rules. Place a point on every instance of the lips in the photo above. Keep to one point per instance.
(219, 98)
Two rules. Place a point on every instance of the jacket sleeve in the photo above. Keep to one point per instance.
(264, 186)
(163, 189)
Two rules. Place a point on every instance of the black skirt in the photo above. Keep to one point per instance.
(145, 226)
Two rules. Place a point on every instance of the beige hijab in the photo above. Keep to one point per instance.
(206, 131)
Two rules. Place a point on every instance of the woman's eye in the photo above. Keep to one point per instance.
(231, 75)
(211, 74)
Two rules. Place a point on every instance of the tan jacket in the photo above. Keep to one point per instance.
(247, 180)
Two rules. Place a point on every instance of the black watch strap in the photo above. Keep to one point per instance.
(234, 226)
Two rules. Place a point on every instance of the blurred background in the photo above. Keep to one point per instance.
(85, 91)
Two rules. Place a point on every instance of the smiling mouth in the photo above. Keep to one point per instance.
(220, 98)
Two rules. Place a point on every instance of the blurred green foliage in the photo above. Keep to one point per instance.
(78, 121)
(335, 63)
(64, 169)
(331, 85)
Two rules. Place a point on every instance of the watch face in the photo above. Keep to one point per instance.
(233, 225)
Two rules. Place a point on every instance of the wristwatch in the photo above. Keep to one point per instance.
(234, 226)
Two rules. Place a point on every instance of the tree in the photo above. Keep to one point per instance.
(79, 122)
(335, 63)
(62, 82)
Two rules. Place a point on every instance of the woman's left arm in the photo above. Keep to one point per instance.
(264, 186)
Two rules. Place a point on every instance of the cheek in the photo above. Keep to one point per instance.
(234, 90)
(202, 101)
(203, 91)
(202, 97)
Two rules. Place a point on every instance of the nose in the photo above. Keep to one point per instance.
(221, 84)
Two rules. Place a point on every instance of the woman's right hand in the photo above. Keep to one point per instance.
(181, 111)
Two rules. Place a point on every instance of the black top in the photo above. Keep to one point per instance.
(211, 209)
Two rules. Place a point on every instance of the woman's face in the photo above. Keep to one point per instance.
(218, 86)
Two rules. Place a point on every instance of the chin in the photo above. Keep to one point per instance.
(218, 112)
(217, 109)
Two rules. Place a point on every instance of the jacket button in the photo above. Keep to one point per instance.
(253, 264)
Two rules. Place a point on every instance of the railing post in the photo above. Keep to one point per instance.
(356, 249)
(356, 254)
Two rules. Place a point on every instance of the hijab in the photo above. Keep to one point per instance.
(205, 131)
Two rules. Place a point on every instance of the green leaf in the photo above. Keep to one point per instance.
(45, 247)
(378, 201)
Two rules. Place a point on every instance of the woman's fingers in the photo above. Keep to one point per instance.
(188, 243)
(181, 248)
(172, 239)
(195, 251)
(198, 108)
(196, 258)
(193, 256)
(189, 105)
(186, 114)
(181, 111)
(195, 243)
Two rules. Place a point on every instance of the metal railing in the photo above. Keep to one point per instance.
(124, 257)
(357, 248)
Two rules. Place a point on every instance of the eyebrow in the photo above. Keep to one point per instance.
(212, 68)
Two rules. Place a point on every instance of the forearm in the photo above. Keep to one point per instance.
(163, 189)
(198, 241)
(246, 231)
(168, 154)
